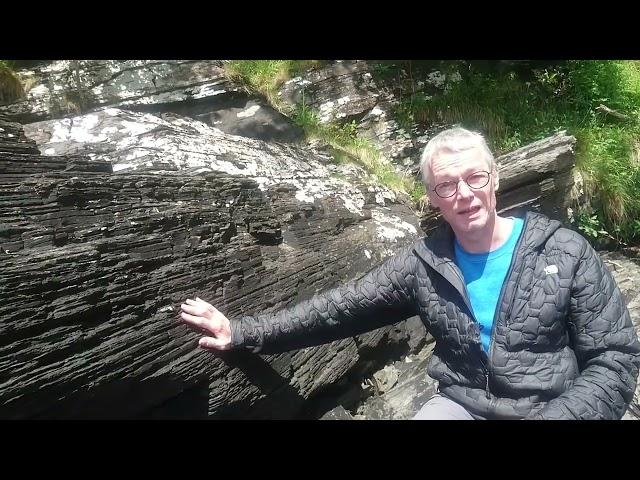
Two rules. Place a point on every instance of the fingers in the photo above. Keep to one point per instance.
(213, 343)
(205, 316)
(199, 302)
(194, 320)
(198, 309)
(201, 318)
(198, 314)
(208, 305)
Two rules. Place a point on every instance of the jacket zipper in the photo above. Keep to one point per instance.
(510, 305)
(465, 297)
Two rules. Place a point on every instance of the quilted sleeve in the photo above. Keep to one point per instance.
(382, 297)
(605, 344)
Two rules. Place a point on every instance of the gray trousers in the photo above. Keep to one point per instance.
(441, 408)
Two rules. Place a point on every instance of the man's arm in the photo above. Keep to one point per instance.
(382, 297)
(605, 344)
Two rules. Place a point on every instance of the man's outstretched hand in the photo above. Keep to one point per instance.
(207, 317)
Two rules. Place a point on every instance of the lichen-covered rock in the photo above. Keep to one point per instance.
(352, 91)
(193, 88)
(68, 87)
(94, 265)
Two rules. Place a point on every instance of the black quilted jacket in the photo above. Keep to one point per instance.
(563, 345)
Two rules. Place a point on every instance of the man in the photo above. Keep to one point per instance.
(528, 322)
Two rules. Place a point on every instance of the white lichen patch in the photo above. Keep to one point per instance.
(208, 90)
(298, 81)
(124, 166)
(377, 112)
(354, 203)
(249, 112)
(436, 78)
(325, 112)
(382, 194)
(302, 196)
(39, 90)
(390, 227)
(78, 129)
(133, 141)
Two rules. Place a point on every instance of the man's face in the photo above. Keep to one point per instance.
(468, 210)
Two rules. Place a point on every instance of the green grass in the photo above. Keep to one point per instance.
(513, 113)
(265, 77)
(347, 146)
(11, 88)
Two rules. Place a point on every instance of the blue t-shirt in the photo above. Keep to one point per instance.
(484, 274)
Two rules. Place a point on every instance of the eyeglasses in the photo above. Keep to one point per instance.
(475, 181)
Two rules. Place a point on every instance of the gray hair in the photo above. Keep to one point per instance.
(453, 140)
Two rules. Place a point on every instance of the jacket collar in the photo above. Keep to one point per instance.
(437, 249)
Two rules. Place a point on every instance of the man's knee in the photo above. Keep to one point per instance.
(440, 407)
